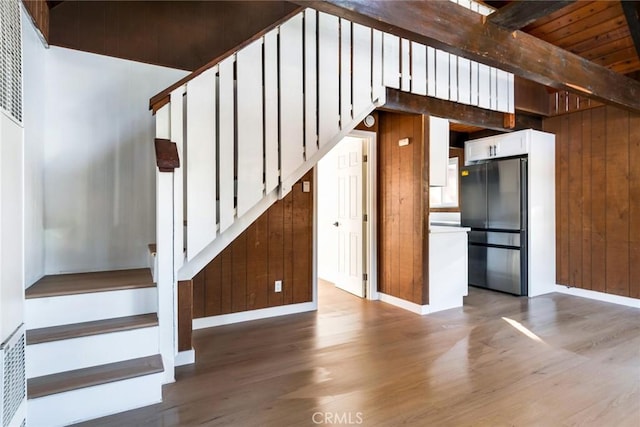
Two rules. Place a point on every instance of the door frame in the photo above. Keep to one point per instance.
(370, 232)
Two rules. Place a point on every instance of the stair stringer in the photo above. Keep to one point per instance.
(192, 267)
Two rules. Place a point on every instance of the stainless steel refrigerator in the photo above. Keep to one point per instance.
(494, 205)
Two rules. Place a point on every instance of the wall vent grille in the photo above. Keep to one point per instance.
(14, 389)
(11, 58)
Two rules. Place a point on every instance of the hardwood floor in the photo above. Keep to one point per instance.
(500, 361)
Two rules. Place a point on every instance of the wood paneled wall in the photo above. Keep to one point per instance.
(39, 12)
(277, 246)
(403, 194)
(598, 200)
(185, 314)
(176, 34)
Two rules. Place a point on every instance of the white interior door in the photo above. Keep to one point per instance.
(349, 219)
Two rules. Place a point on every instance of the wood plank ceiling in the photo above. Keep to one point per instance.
(595, 30)
(464, 128)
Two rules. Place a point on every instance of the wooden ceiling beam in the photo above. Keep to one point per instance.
(519, 14)
(448, 26)
(632, 13)
(403, 102)
(53, 3)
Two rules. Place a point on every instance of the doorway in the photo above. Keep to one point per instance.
(346, 201)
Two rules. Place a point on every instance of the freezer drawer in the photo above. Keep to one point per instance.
(498, 268)
(503, 270)
(504, 238)
(500, 238)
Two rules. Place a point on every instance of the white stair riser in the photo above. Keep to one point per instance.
(67, 309)
(77, 353)
(92, 402)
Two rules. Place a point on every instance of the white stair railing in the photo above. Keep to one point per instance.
(253, 124)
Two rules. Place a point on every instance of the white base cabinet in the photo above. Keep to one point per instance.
(448, 267)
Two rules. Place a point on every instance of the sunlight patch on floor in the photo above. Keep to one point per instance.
(526, 332)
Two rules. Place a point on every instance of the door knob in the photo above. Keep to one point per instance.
(336, 224)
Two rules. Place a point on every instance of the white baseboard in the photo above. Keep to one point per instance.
(407, 305)
(417, 308)
(245, 316)
(186, 357)
(599, 296)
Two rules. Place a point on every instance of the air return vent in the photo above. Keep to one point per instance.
(10, 59)
(14, 389)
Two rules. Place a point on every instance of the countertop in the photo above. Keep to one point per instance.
(447, 229)
(447, 223)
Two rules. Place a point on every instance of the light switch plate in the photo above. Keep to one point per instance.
(306, 186)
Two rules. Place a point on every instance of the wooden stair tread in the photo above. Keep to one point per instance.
(80, 283)
(77, 330)
(95, 375)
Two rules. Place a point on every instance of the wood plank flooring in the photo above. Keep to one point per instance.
(499, 361)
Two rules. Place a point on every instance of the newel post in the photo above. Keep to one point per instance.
(167, 161)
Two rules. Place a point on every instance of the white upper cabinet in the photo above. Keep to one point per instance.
(438, 151)
(478, 150)
(506, 145)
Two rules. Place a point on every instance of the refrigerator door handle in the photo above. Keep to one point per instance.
(495, 245)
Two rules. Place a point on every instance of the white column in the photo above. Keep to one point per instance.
(167, 320)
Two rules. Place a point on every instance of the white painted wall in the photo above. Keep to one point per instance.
(542, 212)
(99, 196)
(34, 70)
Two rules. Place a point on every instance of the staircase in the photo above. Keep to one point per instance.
(92, 346)
(234, 136)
